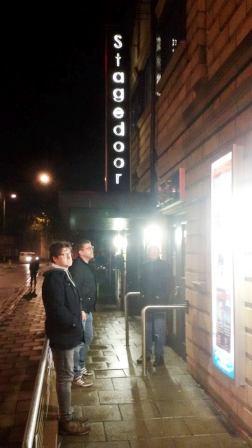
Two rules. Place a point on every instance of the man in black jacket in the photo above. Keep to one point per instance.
(34, 268)
(155, 288)
(84, 279)
(64, 330)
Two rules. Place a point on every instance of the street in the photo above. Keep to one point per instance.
(14, 281)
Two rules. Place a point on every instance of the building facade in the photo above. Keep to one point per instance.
(194, 125)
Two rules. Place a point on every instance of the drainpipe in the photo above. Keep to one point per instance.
(153, 180)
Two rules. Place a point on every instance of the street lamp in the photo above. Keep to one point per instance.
(44, 178)
(4, 197)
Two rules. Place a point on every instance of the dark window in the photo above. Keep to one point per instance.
(171, 30)
(142, 94)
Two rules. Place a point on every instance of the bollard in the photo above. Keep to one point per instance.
(127, 295)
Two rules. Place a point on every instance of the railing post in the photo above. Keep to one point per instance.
(126, 316)
(143, 314)
(29, 435)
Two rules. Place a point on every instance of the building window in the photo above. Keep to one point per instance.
(142, 95)
(171, 30)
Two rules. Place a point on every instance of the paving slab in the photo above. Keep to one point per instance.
(166, 409)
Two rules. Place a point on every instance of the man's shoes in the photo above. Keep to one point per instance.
(159, 362)
(140, 360)
(73, 427)
(82, 382)
(84, 371)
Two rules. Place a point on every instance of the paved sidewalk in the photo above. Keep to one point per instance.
(167, 409)
(21, 343)
(14, 281)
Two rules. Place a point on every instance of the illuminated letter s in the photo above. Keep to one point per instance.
(118, 41)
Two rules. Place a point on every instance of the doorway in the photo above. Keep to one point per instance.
(176, 319)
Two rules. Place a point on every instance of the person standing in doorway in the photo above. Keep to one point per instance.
(84, 279)
(64, 330)
(155, 289)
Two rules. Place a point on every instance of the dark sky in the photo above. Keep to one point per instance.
(52, 93)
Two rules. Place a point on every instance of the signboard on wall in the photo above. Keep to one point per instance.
(172, 190)
(222, 265)
(117, 138)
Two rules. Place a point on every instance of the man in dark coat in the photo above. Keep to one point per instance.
(64, 330)
(84, 279)
(34, 268)
(155, 288)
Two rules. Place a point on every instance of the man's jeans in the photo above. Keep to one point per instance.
(80, 352)
(64, 367)
(155, 331)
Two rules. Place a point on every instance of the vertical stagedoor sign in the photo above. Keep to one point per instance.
(117, 139)
(222, 265)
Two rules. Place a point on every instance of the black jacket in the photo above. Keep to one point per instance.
(34, 266)
(156, 282)
(84, 279)
(63, 313)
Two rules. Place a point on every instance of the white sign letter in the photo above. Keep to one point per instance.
(119, 129)
(117, 177)
(118, 113)
(118, 58)
(119, 162)
(118, 95)
(118, 41)
(119, 77)
(118, 146)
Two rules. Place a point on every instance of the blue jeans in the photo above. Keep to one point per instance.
(80, 352)
(64, 368)
(155, 332)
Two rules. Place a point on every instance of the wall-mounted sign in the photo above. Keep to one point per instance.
(172, 190)
(117, 178)
(222, 265)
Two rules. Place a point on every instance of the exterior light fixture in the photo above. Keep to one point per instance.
(153, 236)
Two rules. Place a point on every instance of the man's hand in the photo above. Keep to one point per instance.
(83, 315)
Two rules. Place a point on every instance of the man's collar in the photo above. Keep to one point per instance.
(56, 266)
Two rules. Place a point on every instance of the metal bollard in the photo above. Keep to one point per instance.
(143, 314)
(126, 316)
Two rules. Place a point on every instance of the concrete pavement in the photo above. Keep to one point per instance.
(167, 409)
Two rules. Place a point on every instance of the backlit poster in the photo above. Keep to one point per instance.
(222, 265)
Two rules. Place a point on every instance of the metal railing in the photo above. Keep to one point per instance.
(126, 315)
(33, 436)
(143, 314)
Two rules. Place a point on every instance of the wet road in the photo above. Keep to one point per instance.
(14, 281)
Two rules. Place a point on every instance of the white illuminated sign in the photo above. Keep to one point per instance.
(118, 112)
(222, 265)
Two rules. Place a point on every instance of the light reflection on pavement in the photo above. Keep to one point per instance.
(14, 281)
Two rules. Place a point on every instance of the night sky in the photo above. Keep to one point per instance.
(52, 94)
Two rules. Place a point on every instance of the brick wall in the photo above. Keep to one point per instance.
(205, 108)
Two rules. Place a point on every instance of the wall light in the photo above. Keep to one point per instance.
(120, 243)
(153, 236)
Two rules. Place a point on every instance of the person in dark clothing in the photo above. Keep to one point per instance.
(34, 268)
(64, 329)
(155, 288)
(84, 278)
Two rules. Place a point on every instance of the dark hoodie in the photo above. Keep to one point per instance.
(62, 306)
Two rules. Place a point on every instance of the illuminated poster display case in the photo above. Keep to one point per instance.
(222, 265)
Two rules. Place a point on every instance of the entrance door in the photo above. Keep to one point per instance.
(176, 321)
